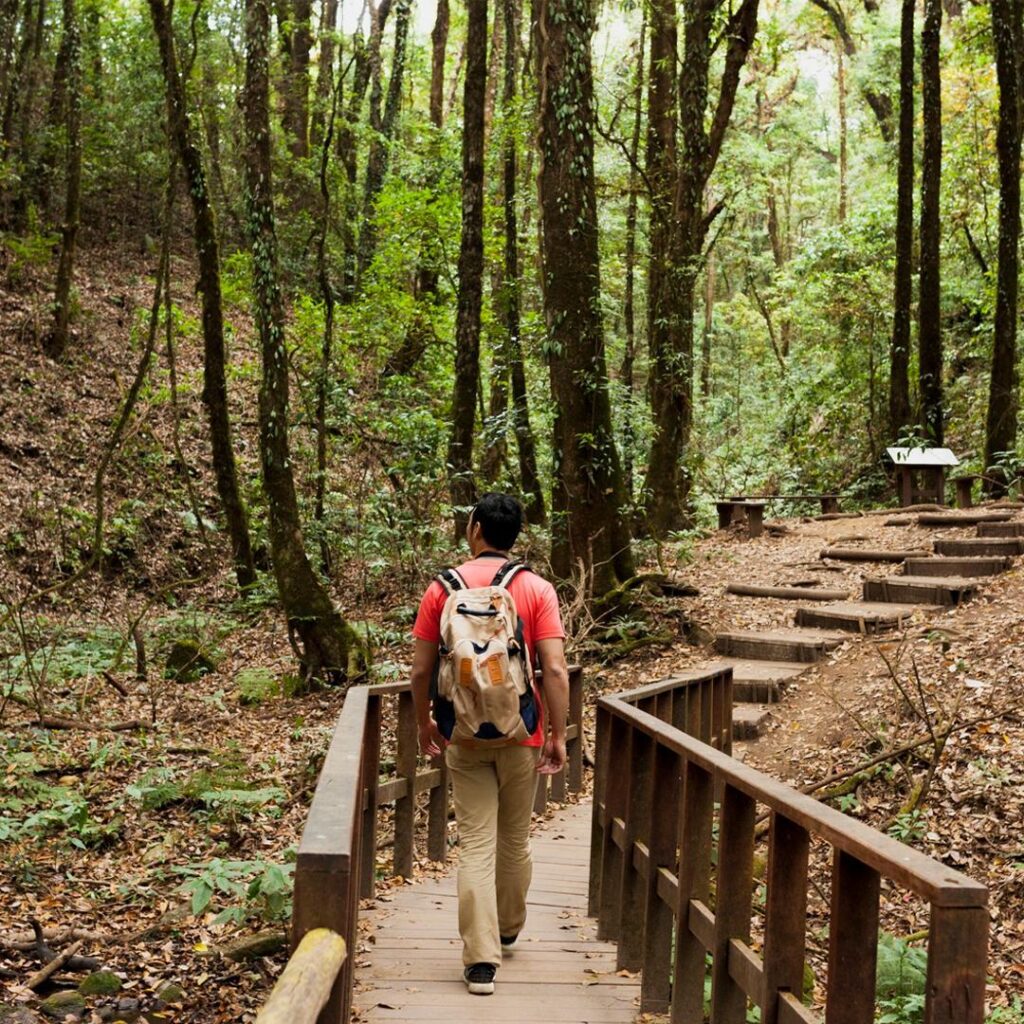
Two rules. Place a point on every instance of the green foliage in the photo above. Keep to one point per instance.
(254, 889)
(902, 969)
(909, 826)
(256, 686)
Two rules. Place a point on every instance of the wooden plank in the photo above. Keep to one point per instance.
(932, 590)
(370, 783)
(957, 949)
(803, 645)
(1004, 547)
(747, 970)
(853, 938)
(732, 902)
(871, 554)
(616, 791)
(962, 518)
(967, 566)
(792, 1011)
(857, 616)
(304, 986)
(1013, 529)
(787, 593)
(785, 914)
(405, 805)
(639, 756)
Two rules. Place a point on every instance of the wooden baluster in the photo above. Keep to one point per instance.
(853, 941)
(680, 707)
(666, 782)
(694, 884)
(726, 685)
(437, 816)
(602, 725)
(370, 780)
(732, 901)
(616, 783)
(663, 706)
(717, 713)
(957, 949)
(786, 914)
(707, 701)
(637, 817)
(694, 710)
(405, 806)
(574, 747)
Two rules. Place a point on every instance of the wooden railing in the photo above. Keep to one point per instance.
(660, 790)
(337, 858)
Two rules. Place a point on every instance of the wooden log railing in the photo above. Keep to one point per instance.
(660, 789)
(337, 859)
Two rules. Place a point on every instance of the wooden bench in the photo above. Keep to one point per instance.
(829, 502)
(754, 514)
(964, 488)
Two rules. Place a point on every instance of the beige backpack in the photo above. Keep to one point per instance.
(483, 692)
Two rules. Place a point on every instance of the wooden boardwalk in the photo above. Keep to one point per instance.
(409, 967)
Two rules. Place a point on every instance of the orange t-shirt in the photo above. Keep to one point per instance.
(536, 603)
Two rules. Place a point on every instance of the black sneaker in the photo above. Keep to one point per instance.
(509, 942)
(479, 979)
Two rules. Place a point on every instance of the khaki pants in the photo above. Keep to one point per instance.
(493, 791)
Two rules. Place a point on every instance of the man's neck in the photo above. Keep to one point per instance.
(485, 549)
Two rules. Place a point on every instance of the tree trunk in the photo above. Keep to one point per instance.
(383, 131)
(299, 41)
(1001, 426)
(215, 393)
(667, 485)
(326, 645)
(471, 265)
(899, 351)
(627, 372)
(930, 321)
(325, 71)
(588, 476)
(529, 476)
(55, 344)
(709, 319)
(18, 69)
(420, 332)
(844, 198)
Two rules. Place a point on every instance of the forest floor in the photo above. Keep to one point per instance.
(162, 842)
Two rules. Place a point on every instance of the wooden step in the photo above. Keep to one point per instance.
(787, 593)
(964, 518)
(750, 721)
(934, 590)
(803, 645)
(1014, 528)
(871, 554)
(967, 566)
(761, 682)
(856, 616)
(988, 546)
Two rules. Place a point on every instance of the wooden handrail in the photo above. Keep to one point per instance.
(654, 838)
(305, 984)
(337, 858)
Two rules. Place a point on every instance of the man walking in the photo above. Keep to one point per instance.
(494, 782)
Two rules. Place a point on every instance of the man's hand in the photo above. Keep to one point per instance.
(431, 740)
(552, 758)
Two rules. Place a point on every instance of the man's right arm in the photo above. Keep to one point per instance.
(424, 658)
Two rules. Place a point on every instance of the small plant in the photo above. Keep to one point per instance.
(909, 826)
(256, 888)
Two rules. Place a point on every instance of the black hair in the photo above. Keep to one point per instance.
(500, 517)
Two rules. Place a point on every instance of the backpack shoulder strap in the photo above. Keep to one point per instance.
(508, 572)
(451, 581)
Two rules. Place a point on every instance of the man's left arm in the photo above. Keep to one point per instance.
(423, 660)
(555, 676)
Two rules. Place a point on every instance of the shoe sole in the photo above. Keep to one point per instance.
(481, 988)
(509, 947)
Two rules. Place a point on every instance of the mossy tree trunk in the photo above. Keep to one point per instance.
(592, 530)
(56, 342)
(471, 269)
(326, 645)
(1001, 432)
(215, 391)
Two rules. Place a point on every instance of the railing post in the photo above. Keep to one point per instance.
(707, 712)
(734, 881)
(666, 780)
(370, 780)
(957, 951)
(694, 882)
(632, 903)
(405, 766)
(437, 816)
(611, 856)
(602, 752)
(574, 751)
(786, 915)
(853, 941)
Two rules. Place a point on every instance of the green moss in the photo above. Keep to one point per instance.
(100, 983)
(256, 685)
